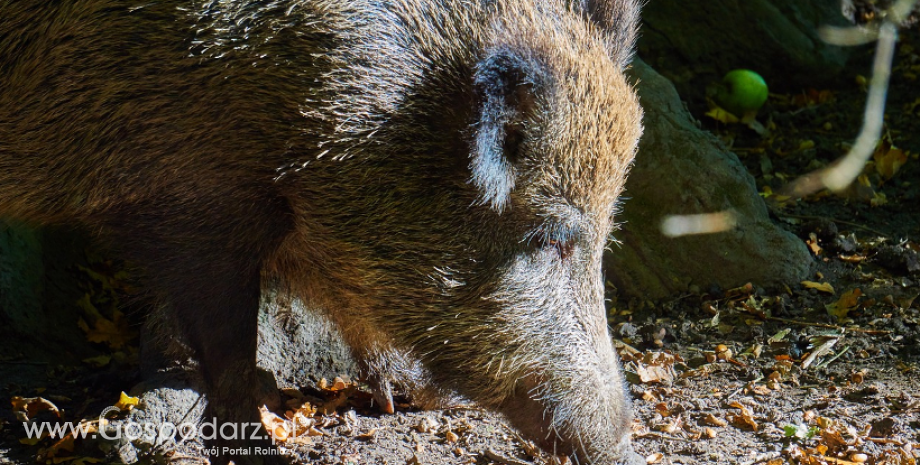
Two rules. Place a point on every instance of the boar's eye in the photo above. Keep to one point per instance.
(562, 244)
(514, 136)
(564, 248)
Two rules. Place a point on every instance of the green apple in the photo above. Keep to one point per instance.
(741, 92)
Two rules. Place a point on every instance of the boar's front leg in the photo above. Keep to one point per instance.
(209, 276)
(217, 315)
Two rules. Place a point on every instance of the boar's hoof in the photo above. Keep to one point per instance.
(383, 393)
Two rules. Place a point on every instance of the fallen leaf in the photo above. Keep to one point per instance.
(779, 336)
(821, 287)
(744, 420)
(25, 408)
(833, 440)
(115, 332)
(812, 243)
(126, 402)
(888, 159)
(99, 361)
(662, 409)
(339, 384)
(65, 444)
(722, 116)
(848, 301)
(370, 434)
(712, 420)
(878, 199)
(670, 427)
(655, 367)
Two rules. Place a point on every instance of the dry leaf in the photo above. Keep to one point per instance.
(670, 427)
(25, 408)
(821, 287)
(722, 116)
(65, 444)
(655, 367)
(126, 402)
(833, 440)
(367, 436)
(278, 428)
(812, 243)
(848, 301)
(888, 159)
(878, 199)
(338, 384)
(711, 420)
(116, 333)
(744, 420)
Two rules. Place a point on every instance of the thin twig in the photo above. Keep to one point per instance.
(872, 332)
(660, 436)
(835, 220)
(896, 442)
(835, 357)
(819, 351)
(842, 172)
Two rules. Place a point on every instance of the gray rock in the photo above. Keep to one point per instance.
(165, 422)
(683, 170)
(299, 347)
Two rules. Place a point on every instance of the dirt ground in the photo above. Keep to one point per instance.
(824, 372)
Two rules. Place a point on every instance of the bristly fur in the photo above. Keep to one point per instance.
(438, 177)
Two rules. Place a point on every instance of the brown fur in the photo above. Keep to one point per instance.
(440, 177)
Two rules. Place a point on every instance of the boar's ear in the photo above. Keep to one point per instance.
(505, 98)
(620, 20)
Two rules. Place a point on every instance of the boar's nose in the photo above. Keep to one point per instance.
(534, 419)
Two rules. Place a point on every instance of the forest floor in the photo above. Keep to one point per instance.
(827, 371)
